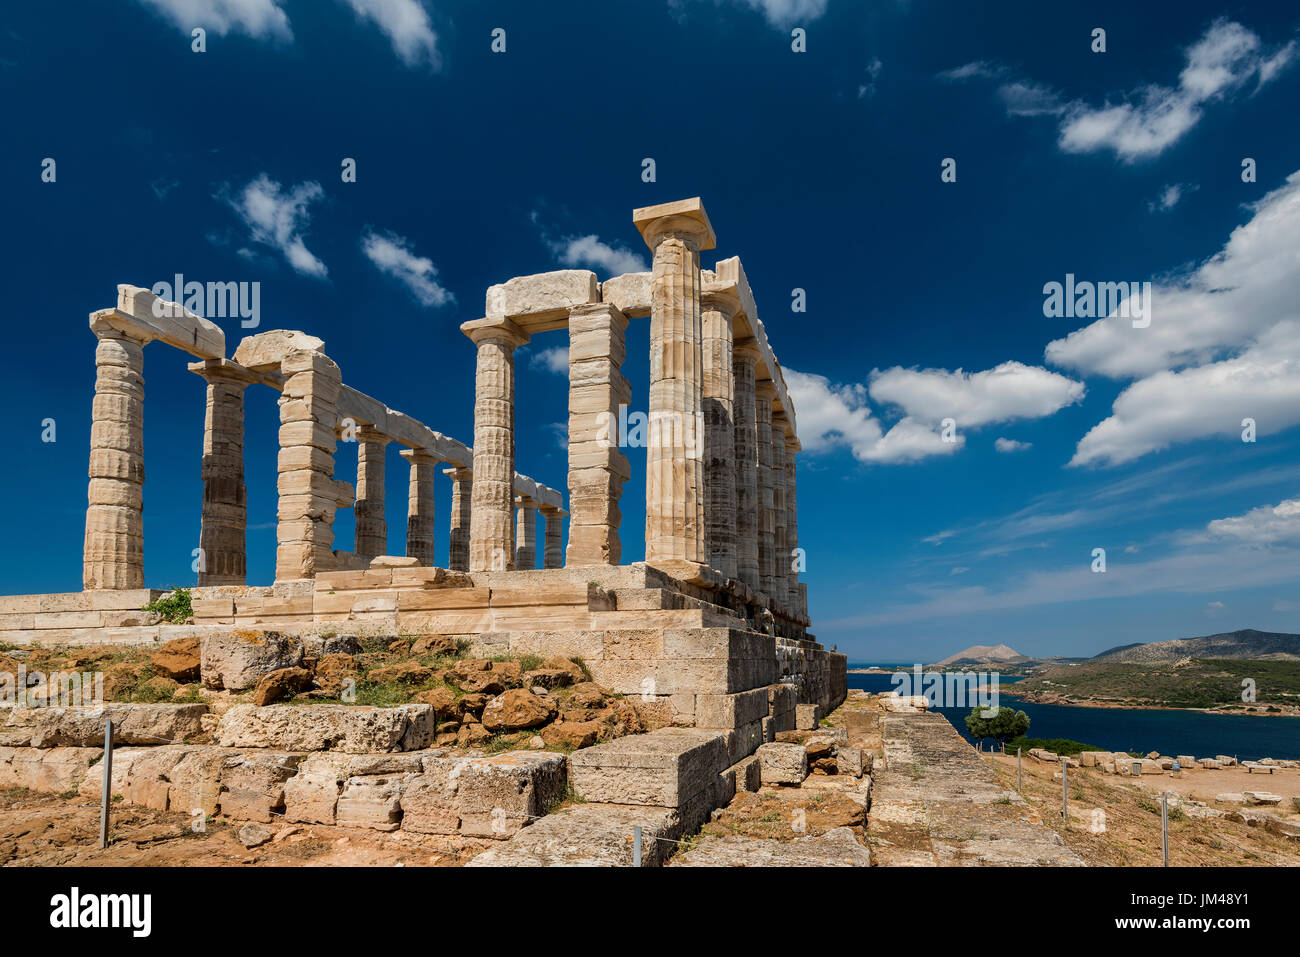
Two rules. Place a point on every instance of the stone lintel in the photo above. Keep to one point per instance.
(541, 302)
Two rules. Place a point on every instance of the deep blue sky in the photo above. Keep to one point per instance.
(820, 169)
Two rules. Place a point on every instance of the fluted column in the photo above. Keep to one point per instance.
(222, 533)
(525, 533)
(113, 556)
(420, 525)
(462, 493)
(492, 514)
(552, 553)
(371, 526)
(597, 468)
(676, 233)
(764, 393)
(748, 502)
(719, 304)
(780, 548)
(795, 588)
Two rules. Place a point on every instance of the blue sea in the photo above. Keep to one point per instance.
(1170, 732)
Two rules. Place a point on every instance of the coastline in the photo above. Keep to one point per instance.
(1287, 711)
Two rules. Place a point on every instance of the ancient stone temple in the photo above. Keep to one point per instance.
(711, 628)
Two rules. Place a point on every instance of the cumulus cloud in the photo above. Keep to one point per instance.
(1146, 121)
(1005, 393)
(555, 359)
(1011, 445)
(593, 252)
(832, 415)
(259, 19)
(278, 219)
(782, 14)
(406, 24)
(1269, 525)
(1223, 345)
(1170, 197)
(393, 256)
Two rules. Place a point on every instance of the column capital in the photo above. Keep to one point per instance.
(368, 433)
(684, 219)
(419, 456)
(765, 389)
(792, 443)
(550, 511)
(723, 297)
(746, 349)
(459, 473)
(224, 370)
(524, 501)
(495, 329)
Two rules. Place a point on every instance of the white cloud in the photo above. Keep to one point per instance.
(832, 415)
(591, 251)
(781, 13)
(978, 69)
(555, 359)
(279, 219)
(406, 24)
(869, 87)
(260, 19)
(1005, 393)
(1023, 98)
(1249, 286)
(1269, 525)
(1155, 117)
(1011, 445)
(1170, 197)
(392, 255)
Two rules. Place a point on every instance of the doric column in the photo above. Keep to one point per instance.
(745, 359)
(795, 588)
(371, 527)
(780, 547)
(525, 533)
(764, 393)
(677, 233)
(719, 304)
(552, 553)
(222, 534)
(462, 494)
(419, 506)
(113, 556)
(597, 468)
(491, 516)
(309, 494)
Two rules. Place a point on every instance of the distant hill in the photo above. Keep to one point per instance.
(983, 655)
(1247, 643)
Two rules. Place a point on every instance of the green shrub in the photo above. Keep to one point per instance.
(1063, 746)
(175, 607)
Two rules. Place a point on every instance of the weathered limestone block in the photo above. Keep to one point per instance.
(491, 539)
(630, 293)
(133, 724)
(347, 728)
(730, 710)
(252, 784)
(743, 740)
(237, 660)
(51, 771)
(372, 801)
(589, 835)
(749, 773)
(838, 847)
(783, 763)
(194, 784)
(677, 233)
(543, 297)
(265, 351)
(806, 716)
(667, 768)
(850, 761)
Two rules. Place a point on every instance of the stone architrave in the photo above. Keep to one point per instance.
(748, 501)
(597, 468)
(462, 495)
(371, 526)
(676, 233)
(719, 305)
(113, 556)
(491, 533)
(223, 530)
(420, 524)
(309, 495)
(764, 393)
(552, 552)
(525, 533)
